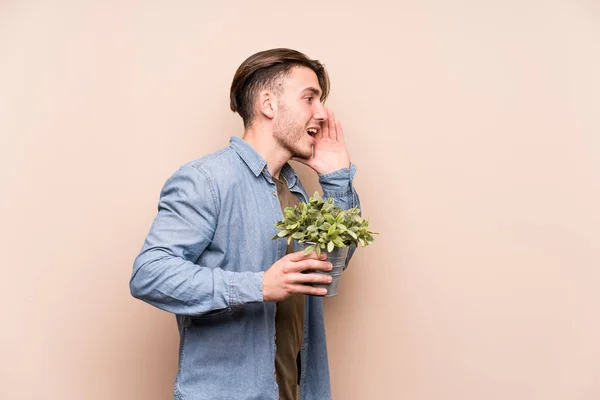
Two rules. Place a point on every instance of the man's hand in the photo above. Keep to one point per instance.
(285, 277)
(330, 152)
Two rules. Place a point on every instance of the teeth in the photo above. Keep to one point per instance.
(312, 131)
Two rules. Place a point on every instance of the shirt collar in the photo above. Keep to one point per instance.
(254, 160)
(289, 174)
(257, 163)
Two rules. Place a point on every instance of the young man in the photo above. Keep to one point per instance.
(247, 328)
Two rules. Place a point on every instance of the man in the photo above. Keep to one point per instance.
(247, 328)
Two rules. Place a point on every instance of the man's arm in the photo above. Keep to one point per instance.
(338, 185)
(165, 273)
(331, 161)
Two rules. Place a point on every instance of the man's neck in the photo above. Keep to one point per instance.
(263, 143)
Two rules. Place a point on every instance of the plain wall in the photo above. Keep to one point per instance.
(475, 127)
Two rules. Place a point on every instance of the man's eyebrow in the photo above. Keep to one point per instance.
(313, 90)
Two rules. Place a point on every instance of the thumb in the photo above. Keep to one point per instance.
(305, 161)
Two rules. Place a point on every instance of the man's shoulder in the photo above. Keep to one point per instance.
(217, 159)
(218, 167)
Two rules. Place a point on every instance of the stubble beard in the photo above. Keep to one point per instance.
(290, 134)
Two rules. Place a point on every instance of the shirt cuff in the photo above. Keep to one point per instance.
(245, 287)
(338, 183)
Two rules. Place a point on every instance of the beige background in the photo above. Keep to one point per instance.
(476, 129)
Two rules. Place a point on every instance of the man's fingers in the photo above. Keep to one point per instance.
(299, 255)
(331, 125)
(325, 127)
(305, 289)
(313, 264)
(339, 132)
(300, 278)
(304, 265)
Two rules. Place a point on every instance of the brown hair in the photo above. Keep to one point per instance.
(265, 69)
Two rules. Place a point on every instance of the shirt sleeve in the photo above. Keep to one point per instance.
(338, 185)
(167, 273)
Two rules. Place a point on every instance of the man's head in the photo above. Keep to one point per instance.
(286, 89)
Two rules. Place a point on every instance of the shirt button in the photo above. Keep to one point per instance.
(274, 193)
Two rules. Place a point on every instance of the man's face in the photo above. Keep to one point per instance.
(299, 113)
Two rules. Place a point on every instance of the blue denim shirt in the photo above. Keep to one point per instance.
(204, 260)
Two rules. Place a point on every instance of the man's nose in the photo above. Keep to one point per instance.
(321, 114)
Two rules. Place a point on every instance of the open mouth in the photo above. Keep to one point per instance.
(312, 132)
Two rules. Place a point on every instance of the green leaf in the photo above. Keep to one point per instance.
(318, 249)
(309, 249)
(320, 221)
(331, 229)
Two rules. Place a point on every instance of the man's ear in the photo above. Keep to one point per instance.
(267, 104)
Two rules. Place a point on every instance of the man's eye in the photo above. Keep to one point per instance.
(309, 98)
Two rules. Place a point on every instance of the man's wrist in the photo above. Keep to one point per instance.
(338, 181)
(333, 169)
